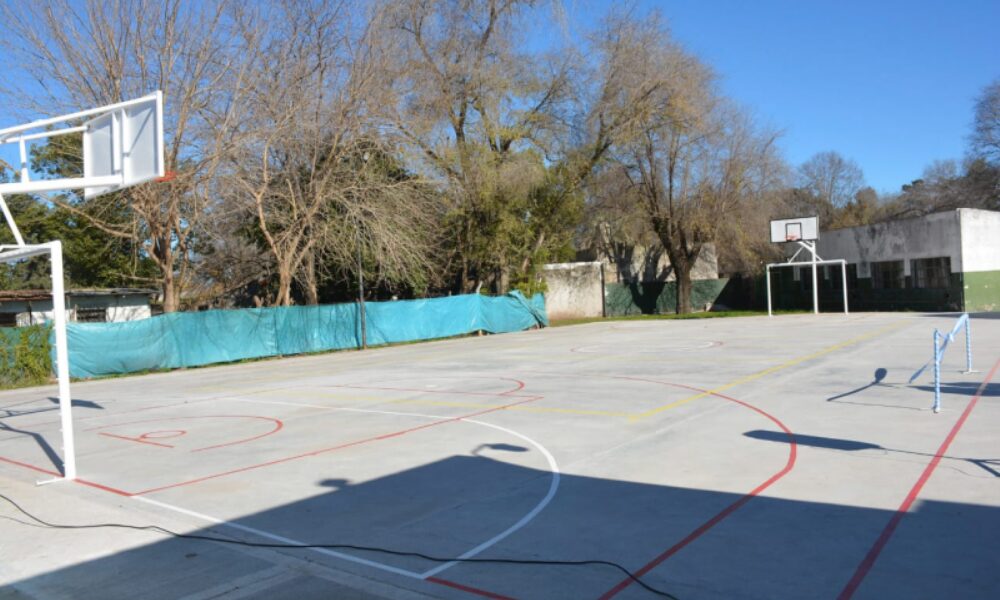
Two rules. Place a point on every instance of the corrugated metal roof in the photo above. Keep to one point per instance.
(40, 295)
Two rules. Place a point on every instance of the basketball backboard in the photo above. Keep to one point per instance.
(122, 147)
(801, 229)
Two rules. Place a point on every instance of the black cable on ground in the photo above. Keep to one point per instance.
(438, 559)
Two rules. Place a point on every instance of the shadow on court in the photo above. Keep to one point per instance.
(8, 418)
(769, 547)
(989, 465)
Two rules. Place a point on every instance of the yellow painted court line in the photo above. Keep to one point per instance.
(534, 409)
(767, 371)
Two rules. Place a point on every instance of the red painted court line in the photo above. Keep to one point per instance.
(707, 525)
(469, 589)
(338, 447)
(701, 530)
(32, 467)
(102, 416)
(138, 440)
(58, 474)
(883, 539)
(278, 424)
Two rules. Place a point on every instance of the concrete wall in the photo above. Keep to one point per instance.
(981, 257)
(651, 264)
(574, 290)
(932, 236)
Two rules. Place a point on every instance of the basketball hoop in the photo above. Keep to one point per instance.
(122, 146)
(168, 176)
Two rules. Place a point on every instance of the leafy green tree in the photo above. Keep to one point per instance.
(92, 257)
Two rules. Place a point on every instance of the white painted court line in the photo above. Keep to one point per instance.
(279, 538)
(553, 486)
(523, 521)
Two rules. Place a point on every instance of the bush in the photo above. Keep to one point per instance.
(25, 357)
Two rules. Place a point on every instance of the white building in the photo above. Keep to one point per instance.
(28, 307)
(941, 261)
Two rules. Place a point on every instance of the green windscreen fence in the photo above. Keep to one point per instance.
(216, 336)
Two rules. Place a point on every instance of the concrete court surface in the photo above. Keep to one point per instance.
(716, 458)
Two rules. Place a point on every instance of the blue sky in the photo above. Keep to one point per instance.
(888, 84)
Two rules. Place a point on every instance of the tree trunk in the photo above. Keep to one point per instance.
(169, 292)
(284, 295)
(309, 285)
(682, 272)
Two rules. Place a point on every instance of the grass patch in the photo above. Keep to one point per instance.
(697, 315)
(25, 358)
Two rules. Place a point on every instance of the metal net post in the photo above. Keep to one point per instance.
(937, 372)
(968, 345)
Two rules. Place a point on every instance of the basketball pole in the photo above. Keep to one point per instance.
(62, 360)
(812, 250)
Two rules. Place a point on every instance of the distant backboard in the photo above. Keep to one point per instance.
(794, 230)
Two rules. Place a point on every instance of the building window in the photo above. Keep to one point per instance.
(887, 275)
(931, 272)
(91, 315)
(8, 319)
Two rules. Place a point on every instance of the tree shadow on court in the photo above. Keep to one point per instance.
(697, 542)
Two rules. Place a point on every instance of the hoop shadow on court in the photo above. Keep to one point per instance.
(990, 465)
(880, 374)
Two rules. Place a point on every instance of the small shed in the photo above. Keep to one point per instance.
(28, 307)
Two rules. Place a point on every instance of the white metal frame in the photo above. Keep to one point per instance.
(815, 261)
(21, 134)
(941, 341)
(54, 251)
(121, 176)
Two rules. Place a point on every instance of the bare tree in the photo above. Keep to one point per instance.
(693, 160)
(479, 115)
(311, 166)
(831, 178)
(92, 53)
(986, 124)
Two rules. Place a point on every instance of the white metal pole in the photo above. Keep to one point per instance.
(25, 177)
(843, 278)
(812, 248)
(62, 360)
(6, 134)
(767, 278)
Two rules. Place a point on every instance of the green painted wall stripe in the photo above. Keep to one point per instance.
(982, 291)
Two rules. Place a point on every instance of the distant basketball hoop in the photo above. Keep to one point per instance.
(168, 176)
(803, 231)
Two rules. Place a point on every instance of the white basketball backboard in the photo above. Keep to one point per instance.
(122, 146)
(126, 143)
(801, 229)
